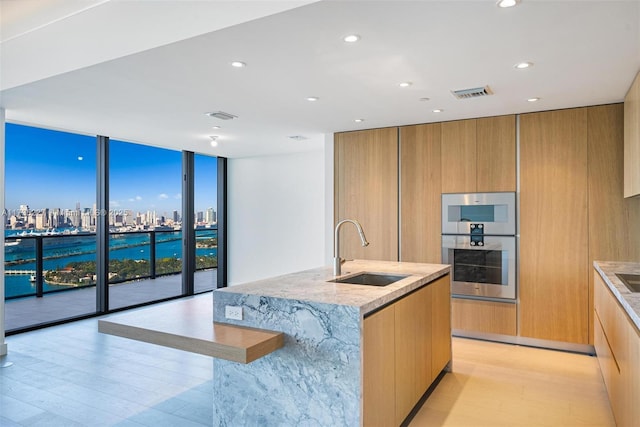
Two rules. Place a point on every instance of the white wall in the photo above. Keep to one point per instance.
(276, 210)
(3, 346)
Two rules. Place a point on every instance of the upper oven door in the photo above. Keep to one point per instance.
(496, 212)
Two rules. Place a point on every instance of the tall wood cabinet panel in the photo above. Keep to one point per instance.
(614, 222)
(420, 196)
(553, 226)
(632, 139)
(459, 156)
(366, 189)
(496, 154)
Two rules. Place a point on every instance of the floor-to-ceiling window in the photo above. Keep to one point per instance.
(50, 245)
(54, 250)
(206, 218)
(145, 223)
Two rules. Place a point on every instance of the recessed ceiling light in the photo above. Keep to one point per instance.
(405, 84)
(359, 120)
(507, 3)
(438, 110)
(533, 99)
(312, 98)
(351, 38)
(214, 140)
(424, 99)
(238, 64)
(215, 127)
(523, 65)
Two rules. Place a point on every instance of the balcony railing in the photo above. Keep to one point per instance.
(37, 264)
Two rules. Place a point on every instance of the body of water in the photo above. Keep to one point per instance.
(59, 251)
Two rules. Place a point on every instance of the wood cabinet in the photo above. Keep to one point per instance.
(479, 155)
(553, 226)
(632, 139)
(614, 222)
(413, 350)
(487, 317)
(366, 189)
(420, 200)
(459, 156)
(379, 383)
(617, 343)
(440, 325)
(405, 347)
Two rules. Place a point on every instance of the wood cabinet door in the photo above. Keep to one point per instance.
(379, 363)
(366, 189)
(420, 194)
(440, 325)
(553, 226)
(405, 348)
(632, 140)
(496, 153)
(459, 156)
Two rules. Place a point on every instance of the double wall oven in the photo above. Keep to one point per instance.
(479, 241)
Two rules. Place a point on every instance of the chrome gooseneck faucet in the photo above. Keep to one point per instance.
(337, 261)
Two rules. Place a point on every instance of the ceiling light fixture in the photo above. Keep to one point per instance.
(298, 137)
(238, 64)
(507, 3)
(359, 120)
(523, 65)
(438, 110)
(424, 99)
(214, 140)
(312, 98)
(351, 38)
(405, 84)
(533, 99)
(215, 127)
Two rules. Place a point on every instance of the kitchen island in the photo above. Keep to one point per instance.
(350, 351)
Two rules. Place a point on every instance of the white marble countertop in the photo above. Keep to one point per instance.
(314, 286)
(630, 301)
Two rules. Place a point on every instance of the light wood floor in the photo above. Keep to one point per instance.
(505, 385)
(71, 375)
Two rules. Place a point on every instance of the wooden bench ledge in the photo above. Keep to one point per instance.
(186, 326)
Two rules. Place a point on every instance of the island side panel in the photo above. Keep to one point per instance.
(315, 379)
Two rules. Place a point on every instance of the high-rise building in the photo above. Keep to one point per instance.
(210, 216)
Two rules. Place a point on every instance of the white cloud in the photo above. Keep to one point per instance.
(178, 196)
(132, 199)
(138, 198)
(162, 196)
(114, 203)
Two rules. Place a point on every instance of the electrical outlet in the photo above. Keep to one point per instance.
(233, 312)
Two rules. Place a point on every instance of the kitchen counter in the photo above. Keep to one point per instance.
(316, 377)
(313, 285)
(629, 301)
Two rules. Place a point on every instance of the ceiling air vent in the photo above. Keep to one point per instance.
(298, 137)
(472, 93)
(221, 115)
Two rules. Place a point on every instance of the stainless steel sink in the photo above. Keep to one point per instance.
(631, 281)
(370, 279)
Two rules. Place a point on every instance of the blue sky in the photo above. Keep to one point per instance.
(52, 169)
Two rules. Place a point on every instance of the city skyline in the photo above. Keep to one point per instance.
(57, 170)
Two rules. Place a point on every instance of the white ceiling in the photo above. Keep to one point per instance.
(147, 71)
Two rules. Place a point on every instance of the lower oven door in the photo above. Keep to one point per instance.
(487, 270)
